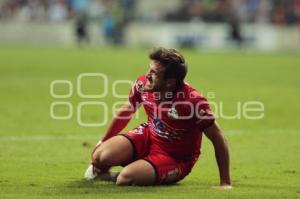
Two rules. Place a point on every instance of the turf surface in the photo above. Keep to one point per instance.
(45, 158)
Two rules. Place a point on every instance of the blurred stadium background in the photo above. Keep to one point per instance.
(239, 50)
(264, 25)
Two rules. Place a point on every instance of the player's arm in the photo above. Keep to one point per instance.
(215, 135)
(119, 120)
(123, 115)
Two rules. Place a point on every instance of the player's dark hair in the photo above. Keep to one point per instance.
(173, 61)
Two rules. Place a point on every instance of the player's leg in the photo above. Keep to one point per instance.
(157, 168)
(119, 150)
(114, 152)
(140, 172)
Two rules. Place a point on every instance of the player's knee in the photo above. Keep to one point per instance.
(101, 157)
(95, 156)
(125, 178)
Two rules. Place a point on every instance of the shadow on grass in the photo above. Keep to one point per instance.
(99, 187)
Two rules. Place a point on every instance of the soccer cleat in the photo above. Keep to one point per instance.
(109, 176)
(90, 173)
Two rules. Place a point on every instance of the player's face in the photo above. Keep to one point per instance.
(155, 77)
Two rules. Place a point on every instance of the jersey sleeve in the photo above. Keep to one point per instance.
(135, 98)
(203, 115)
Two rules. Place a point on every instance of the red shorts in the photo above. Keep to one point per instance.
(168, 170)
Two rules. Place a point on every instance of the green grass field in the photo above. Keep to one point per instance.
(46, 158)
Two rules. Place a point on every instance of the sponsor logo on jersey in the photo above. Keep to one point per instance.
(172, 113)
(165, 131)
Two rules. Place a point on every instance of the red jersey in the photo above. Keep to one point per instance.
(176, 125)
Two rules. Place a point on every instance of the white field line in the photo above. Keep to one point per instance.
(46, 137)
(69, 137)
(232, 132)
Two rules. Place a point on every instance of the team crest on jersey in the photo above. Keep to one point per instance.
(172, 113)
(139, 86)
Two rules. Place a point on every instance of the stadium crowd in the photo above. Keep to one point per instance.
(279, 12)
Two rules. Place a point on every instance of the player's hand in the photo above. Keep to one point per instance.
(223, 187)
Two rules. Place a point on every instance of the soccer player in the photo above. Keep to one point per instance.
(165, 148)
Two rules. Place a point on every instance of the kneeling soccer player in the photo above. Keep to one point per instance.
(165, 148)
